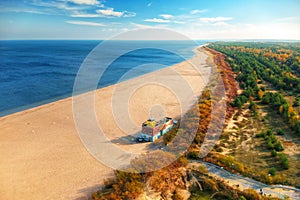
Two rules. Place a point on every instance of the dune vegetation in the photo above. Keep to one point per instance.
(260, 138)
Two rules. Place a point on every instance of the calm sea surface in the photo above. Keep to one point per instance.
(33, 73)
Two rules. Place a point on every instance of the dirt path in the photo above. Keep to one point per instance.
(245, 183)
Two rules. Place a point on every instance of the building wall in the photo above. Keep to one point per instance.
(158, 130)
(151, 131)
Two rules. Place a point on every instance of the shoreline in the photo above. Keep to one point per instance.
(42, 154)
(66, 94)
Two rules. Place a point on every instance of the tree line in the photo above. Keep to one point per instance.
(257, 63)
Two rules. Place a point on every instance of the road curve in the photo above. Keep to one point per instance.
(245, 182)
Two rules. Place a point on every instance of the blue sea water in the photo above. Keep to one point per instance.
(33, 73)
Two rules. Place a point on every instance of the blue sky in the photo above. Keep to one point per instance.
(102, 19)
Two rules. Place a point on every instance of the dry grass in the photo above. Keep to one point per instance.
(240, 142)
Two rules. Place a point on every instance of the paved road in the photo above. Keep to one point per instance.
(244, 182)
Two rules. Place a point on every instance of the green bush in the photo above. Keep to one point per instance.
(252, 106)
(278, 146)
(269, 132)
(274, 153)
(239, 101)
(284, 161)
(242, 198)
(270, 145)
(272, 171)
(280, 132)
(260, 135)
(285, 164)
(271, 138)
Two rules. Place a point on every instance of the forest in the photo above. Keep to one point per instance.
(258, 64)
(267, 119)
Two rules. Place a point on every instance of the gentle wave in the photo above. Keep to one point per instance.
(33, 73)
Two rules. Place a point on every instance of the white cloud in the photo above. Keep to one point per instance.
(230, 31)
(215, 19)
(20, 10)
(85, 23)
(178, 22)
(156, 20)
(149, 4)
(193, 12)
(85, 15)
(111, 13)
(129, 14)
(103, 13)
(62, 5)
(87, 2)
(166, 16)
(288, 19)
(220, 24)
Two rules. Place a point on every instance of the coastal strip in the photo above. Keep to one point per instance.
(42, 156)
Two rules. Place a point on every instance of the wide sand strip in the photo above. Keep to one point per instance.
(42, 156)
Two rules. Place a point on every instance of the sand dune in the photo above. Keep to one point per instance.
(42, 156)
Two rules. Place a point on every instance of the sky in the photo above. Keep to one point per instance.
(103, 19)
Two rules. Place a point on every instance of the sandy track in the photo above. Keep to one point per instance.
(42, 156)
(245, 183)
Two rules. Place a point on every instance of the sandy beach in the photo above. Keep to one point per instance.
(41, 153)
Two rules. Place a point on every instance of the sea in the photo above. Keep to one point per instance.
(34, 73)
